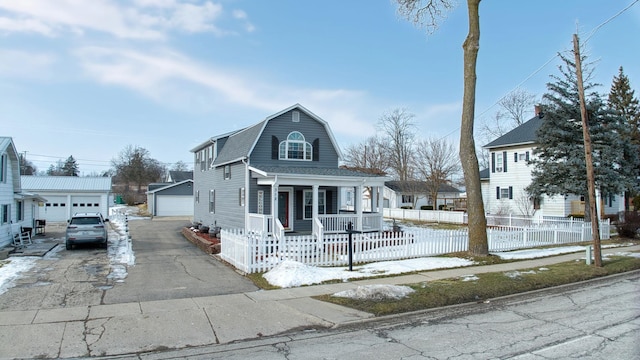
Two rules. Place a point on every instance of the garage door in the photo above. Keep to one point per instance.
(174, 205)
(81, 204)
(55, 209)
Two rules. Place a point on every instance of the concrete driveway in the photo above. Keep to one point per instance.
(167, 266)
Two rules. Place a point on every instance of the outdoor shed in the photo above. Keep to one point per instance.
(174, 199)
(67, 195)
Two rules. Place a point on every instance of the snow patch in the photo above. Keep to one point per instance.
(11, 270)
(376, 292)
(291, 273)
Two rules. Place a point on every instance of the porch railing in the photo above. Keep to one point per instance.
(259, 223)
(337, 223)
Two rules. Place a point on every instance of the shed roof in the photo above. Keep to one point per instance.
(399, 186)
(65, 183)
(178, 176)
(161, 187)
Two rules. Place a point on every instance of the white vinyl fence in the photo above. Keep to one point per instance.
(255, 252)
(437, 216)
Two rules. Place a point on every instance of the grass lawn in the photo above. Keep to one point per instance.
(489, 285)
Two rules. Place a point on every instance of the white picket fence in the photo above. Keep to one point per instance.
(255, 252)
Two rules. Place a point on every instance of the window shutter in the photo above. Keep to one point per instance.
(275, 144)
(316, 150)
(498, 192)
(527, 155)
(493, 162)
(504, 161)
(515, 157)
(299, 205)
(511, 192)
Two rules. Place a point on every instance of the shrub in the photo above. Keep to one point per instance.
(426, 207)
(406, 207)
(630, 226)
(442, 206)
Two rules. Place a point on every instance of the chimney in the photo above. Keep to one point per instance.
(538, 110)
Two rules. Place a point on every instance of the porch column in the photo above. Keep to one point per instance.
(314, 204)
(374, 199)
(274, 205)
(358, 201)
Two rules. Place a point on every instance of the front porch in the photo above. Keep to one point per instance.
(303, 204)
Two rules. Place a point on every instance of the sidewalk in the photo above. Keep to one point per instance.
(119, 329)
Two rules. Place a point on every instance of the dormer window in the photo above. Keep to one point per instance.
(295, 148)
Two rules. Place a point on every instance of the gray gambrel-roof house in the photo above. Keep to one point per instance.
(281, 174)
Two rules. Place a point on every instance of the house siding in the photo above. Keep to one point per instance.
(6, 198)
(203, 181)
(281, 127)
(515, 175)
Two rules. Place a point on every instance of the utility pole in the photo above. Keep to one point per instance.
(591, 183)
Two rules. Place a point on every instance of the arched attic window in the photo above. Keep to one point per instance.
(295, 148)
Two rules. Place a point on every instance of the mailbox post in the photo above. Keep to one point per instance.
(350, 231)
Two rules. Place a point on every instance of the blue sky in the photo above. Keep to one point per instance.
(88, 78)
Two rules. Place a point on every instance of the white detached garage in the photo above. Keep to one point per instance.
(67, 195)
(174, 199)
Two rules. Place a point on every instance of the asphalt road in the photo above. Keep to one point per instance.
(594, 320)
(167, 266)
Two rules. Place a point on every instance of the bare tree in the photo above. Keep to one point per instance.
(427, 13)
(514, 108)
(369, 156)
(134, 166)
(437, 162)
(180, 166)
(524, 203)
(398, 129)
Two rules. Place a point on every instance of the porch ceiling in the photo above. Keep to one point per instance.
(314, 176)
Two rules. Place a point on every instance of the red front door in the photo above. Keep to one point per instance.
(283, 208)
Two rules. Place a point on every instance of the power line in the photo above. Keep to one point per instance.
(593, 32)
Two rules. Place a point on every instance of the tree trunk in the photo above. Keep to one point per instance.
(478, 244)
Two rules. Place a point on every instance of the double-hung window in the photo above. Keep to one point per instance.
(308, 203)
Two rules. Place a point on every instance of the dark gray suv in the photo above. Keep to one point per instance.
(86, 228)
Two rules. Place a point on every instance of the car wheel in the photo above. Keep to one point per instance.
(69, 246)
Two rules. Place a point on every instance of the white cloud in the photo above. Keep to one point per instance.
(140, 19)
(23, 64)
(25, 25)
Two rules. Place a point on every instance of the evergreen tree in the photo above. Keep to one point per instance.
(70, 167)
(559, 159)
(624, 102)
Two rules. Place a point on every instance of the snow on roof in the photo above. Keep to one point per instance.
(65, 183)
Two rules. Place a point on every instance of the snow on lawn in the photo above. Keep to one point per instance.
(537, 253)
(292, 273)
